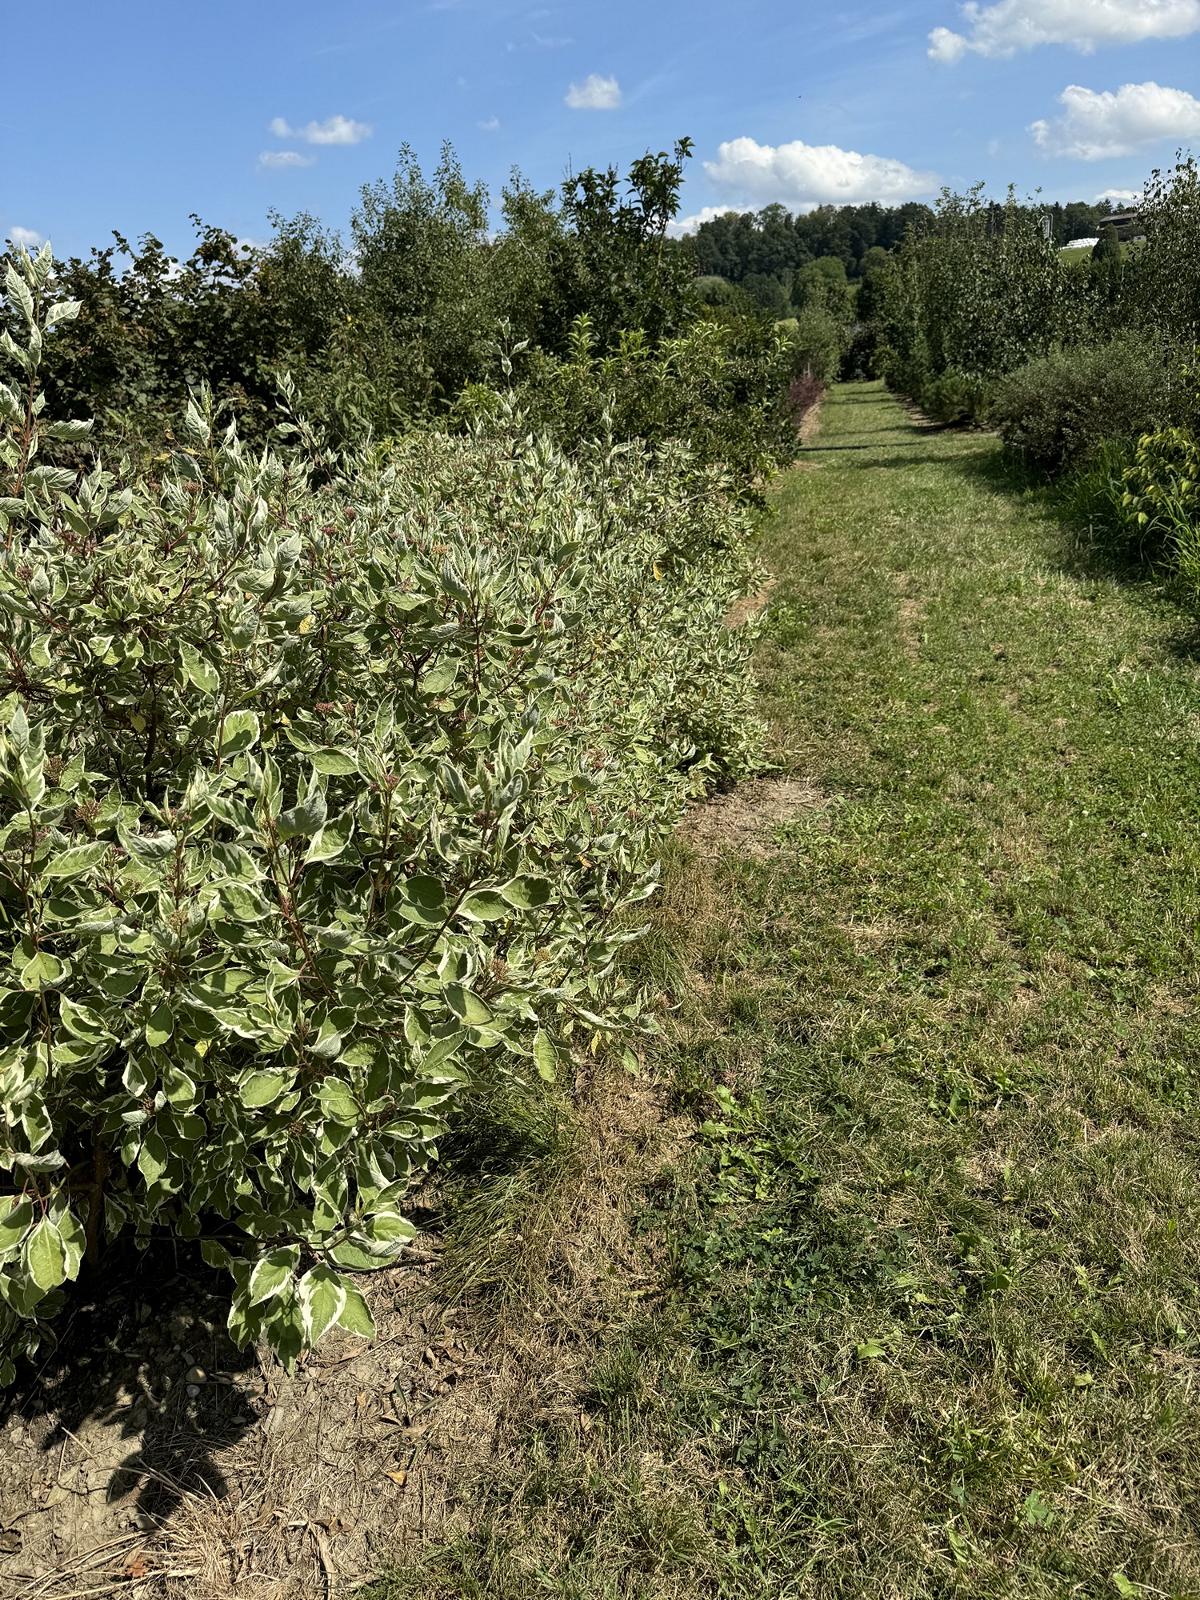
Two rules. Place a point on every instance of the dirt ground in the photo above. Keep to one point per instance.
(150, 1457)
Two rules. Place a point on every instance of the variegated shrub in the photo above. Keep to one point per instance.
(325, 789)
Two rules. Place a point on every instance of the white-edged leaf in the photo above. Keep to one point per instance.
(322, 1296)
(272, 1274)
(46, 1256)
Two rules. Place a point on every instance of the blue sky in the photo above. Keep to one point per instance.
(134, 113)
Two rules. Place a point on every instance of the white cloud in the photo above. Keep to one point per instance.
(1096, 124)
(595, 93)
(1118, 197)
(1013, 25)
(26, 238)
(801, 174)
(280, 160)
(945, 45)
(685, 225)
(334, 130)
(490, 125)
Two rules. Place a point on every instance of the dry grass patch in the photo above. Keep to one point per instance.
(743, 820)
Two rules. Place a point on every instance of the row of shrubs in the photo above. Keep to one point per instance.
(1086, 368)
(581, 301)
(331, 783)
(727, 387)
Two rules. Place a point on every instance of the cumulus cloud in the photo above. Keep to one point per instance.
(799, 174)
(595, 93)
(26, 238)
(685, 225)
(1118, 197)
(334, 130)
(1012, 25)
(946, 45)
(281, 160)
(1096, 124)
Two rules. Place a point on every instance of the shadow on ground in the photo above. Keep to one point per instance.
(1081, 551)
(121, 1412)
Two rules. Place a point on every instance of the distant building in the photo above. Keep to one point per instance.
(1081, 244)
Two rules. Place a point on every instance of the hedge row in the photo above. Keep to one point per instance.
(327, 787)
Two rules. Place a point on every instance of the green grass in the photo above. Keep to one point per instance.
(928, 1274)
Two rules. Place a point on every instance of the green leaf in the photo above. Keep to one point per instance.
(870, 1350)
(243, 903)
(485, 905)
(42, 972)
(147, 847)
(283, 1329)
(272, 1274)
(322, 1296)
(545, 1056)
(263, 1088)
(527, 893)
(390, 1228)
(331, 839)
(439, 677)
(179, 1088)
(46, 1256)
(333, 763)
(304, 818)
(200, 670)
(441, 1051)
(77, 860)
(469, 1007)
(1037, 1511)
(355, 1316)
(81, 1022)
(160, 1026)
(337, 1102)
(15, 1216)
(152, 1156)
(239, 731)
(19, 293)
(423, 899)
(359, 1259)
(64, 311)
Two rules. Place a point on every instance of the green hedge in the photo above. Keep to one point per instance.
(1055, 411)
(327, 787)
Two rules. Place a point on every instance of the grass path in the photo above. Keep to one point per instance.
(931, 1270)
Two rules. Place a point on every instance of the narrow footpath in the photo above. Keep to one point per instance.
(952, 1329)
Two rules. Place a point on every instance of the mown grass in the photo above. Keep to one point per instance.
(928, 1272)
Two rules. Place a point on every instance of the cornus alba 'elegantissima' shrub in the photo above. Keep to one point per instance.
(325, 789)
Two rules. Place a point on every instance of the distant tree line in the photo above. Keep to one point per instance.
(766, 253)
